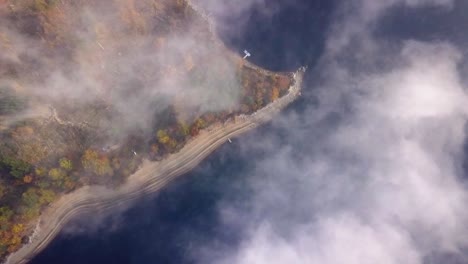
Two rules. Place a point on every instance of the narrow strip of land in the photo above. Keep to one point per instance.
(151, 177)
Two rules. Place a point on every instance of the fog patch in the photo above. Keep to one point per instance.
(381, 183)
(135, 76)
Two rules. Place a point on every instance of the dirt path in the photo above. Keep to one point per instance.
(151, 177)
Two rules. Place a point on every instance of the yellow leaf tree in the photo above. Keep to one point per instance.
(95, 163)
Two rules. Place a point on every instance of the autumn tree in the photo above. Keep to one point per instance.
(10, 234)
(95, 163)
(171, 145)
(284, 82)
(168, 142)
(162, 136)
(200, 123)
(154, 150)
(194, 130)
(274, 93)
(66, 164)
(28, 178)
(46, 196)
(40, 171)
(57, 174)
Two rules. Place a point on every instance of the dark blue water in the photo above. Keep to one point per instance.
(164, 228)
(167, 227)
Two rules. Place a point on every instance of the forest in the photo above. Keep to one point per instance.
(52, 145)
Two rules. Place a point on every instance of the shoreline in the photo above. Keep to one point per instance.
(149, 178)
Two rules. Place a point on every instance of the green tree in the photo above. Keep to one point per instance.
(16, 167)
(29, 213)
(185, 129)
(46, 196)
(31, 198)
(5, 215)
(41, 171)
(43, 184)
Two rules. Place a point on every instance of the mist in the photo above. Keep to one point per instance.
(373, 172)
(116, 55)
(370, 167)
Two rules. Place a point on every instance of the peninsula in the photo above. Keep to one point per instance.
(103, 102)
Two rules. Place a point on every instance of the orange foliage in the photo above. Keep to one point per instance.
(27, 179)
(70, 185)
(274, 93)
(98, 164)
(12, 237)
(5, 237)
(284, 82)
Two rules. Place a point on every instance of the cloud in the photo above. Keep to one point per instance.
(232, 17)
(373, 174)
(102, 60)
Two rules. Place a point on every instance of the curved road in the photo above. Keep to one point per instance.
(151, 177)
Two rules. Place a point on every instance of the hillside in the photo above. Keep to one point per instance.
(89, 89)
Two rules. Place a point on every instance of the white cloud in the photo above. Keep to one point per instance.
(380, 185)
(135, 75)
(339, 239)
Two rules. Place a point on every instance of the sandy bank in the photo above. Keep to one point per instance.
(151, 177)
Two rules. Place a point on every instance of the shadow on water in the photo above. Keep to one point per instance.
(164, 228)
